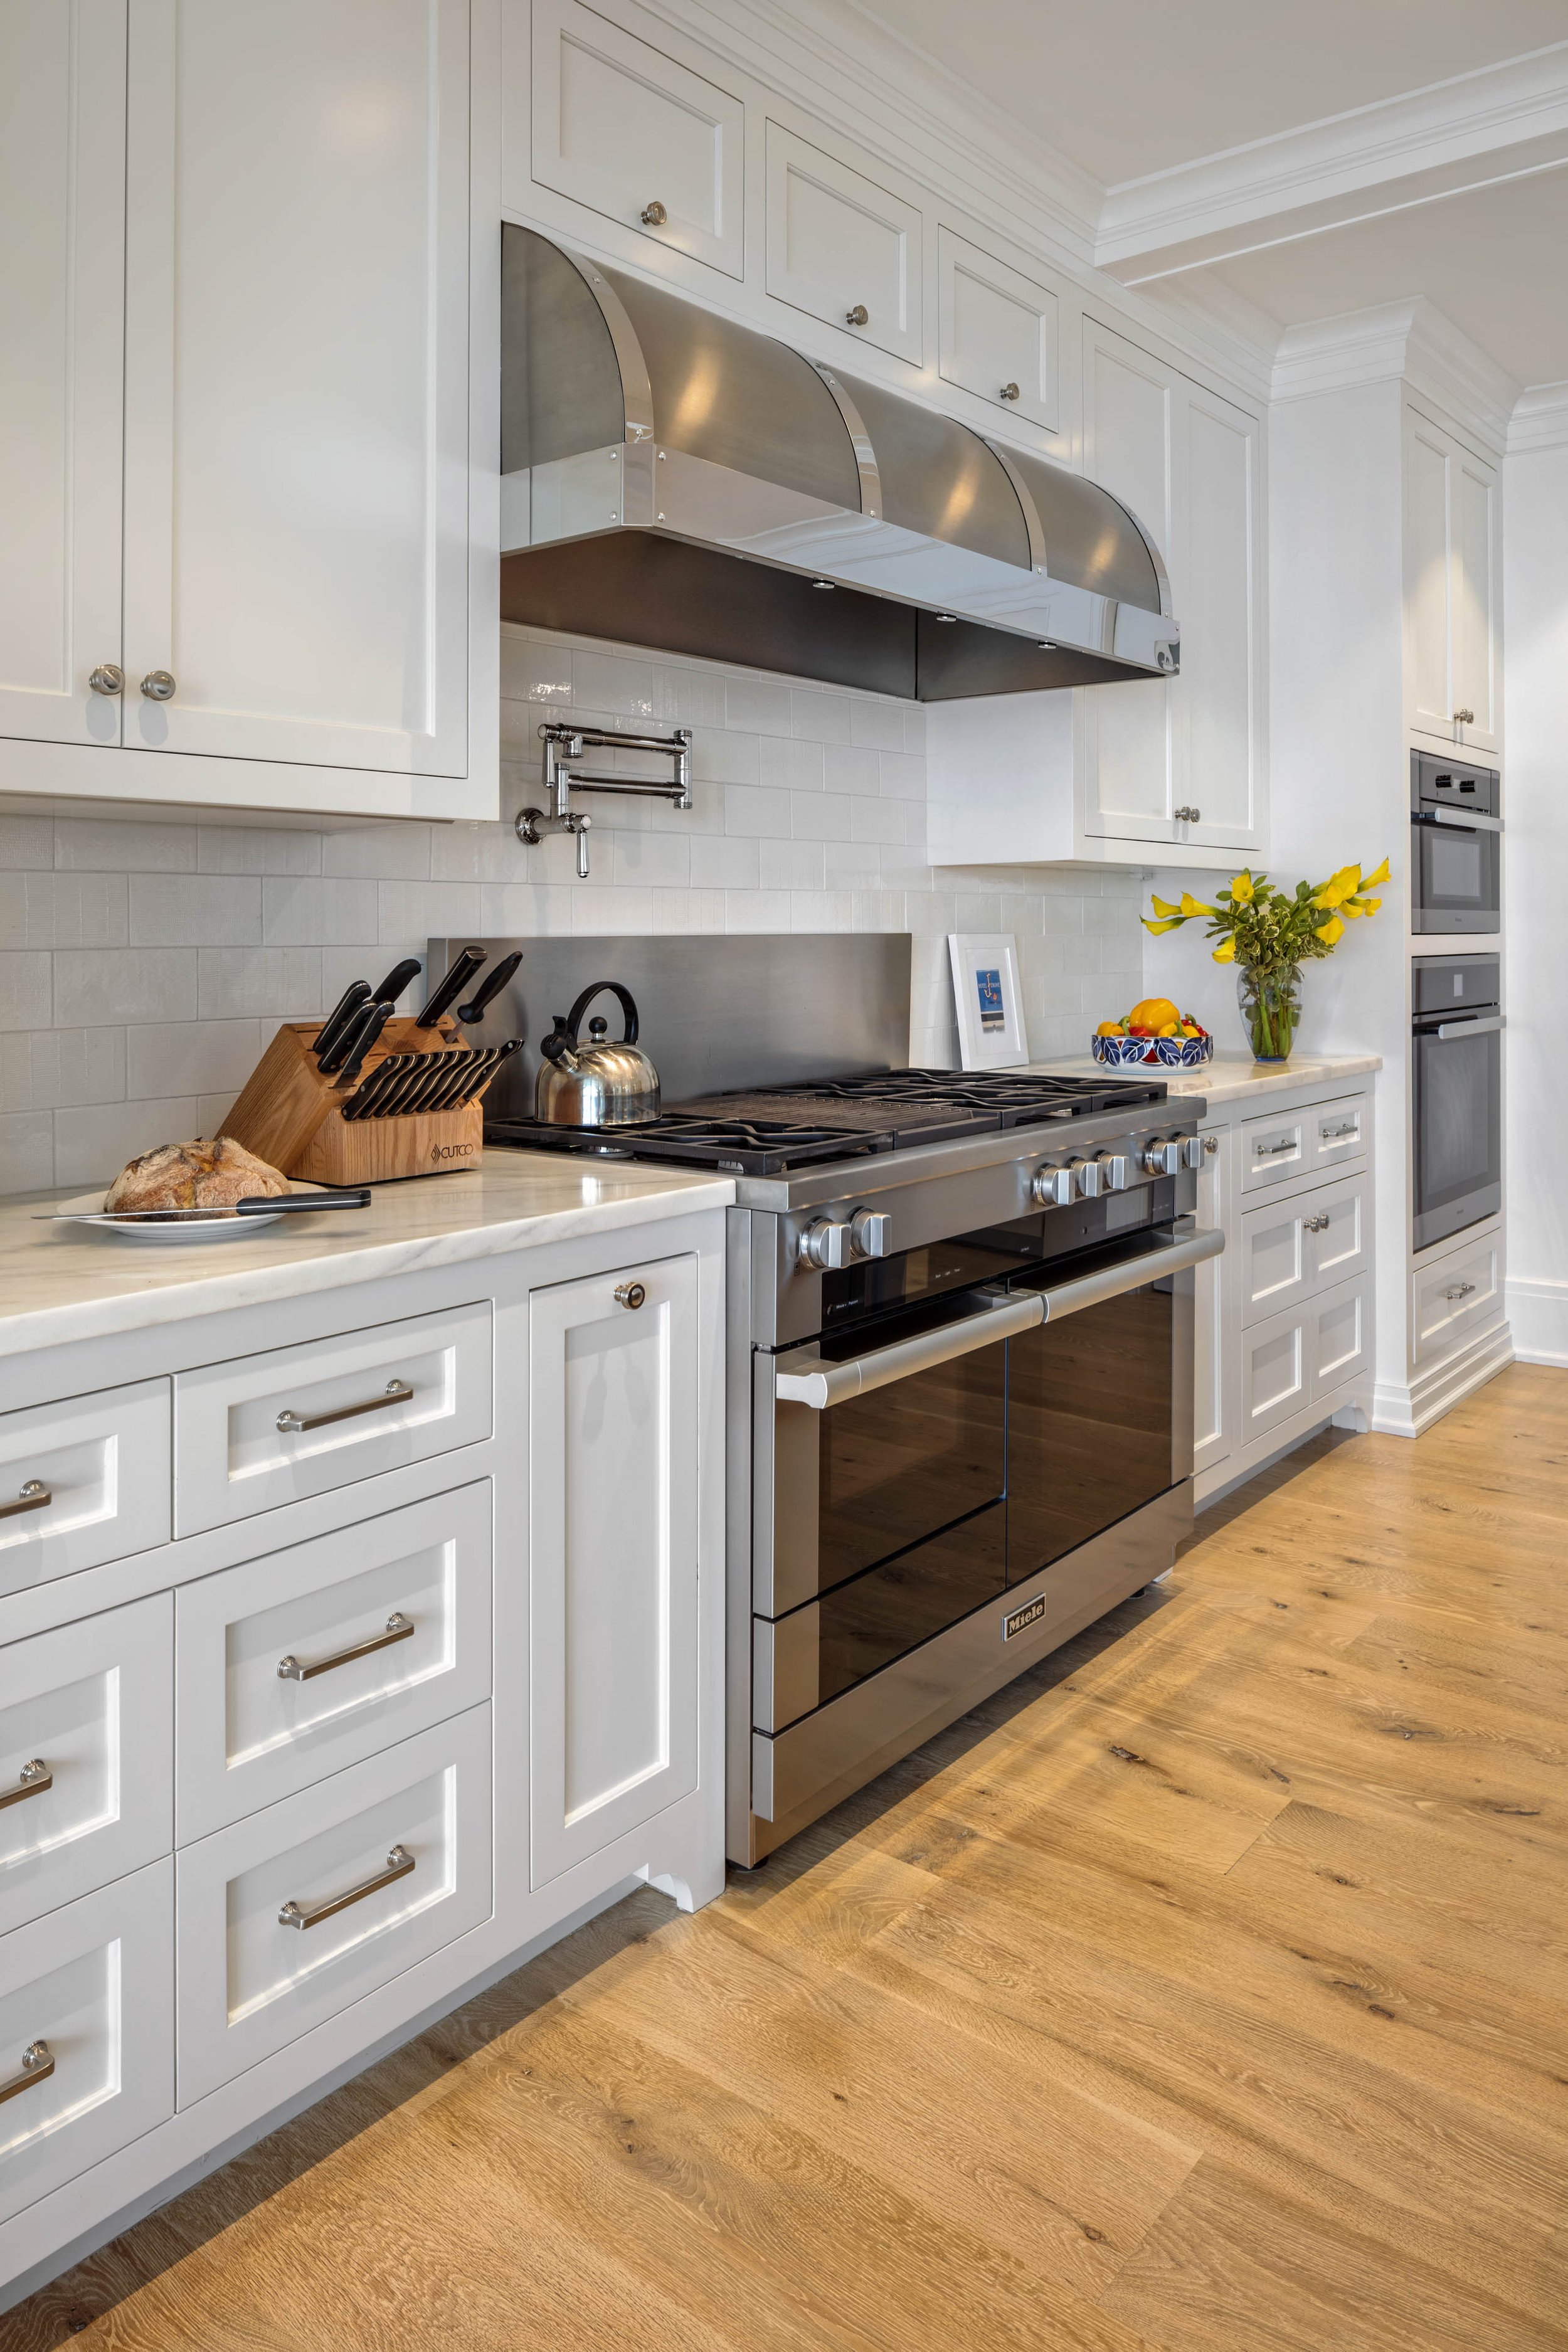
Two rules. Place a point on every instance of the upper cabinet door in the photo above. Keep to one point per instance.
(1452, 648)
(626, 130)
(1132, 411)
(997, 331)
(296, 382)
(1216, 593)
(62, 198)
(842, 247)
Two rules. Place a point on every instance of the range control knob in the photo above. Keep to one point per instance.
(1052, 1187)
(1163, 1156)
(825, 1246)
(1089, 1177)
(1193, 1149)
(1115, 1169)
(872, 1231)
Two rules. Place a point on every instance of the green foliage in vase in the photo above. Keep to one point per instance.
(1268, 931)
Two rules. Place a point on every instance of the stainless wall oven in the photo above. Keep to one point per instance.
(1457, 1053)
(1456, 846)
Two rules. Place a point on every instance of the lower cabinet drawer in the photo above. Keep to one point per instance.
(302, 1662)
(1456, 1296)
(87, 2057)
(1298, 1359)
(287, 1917)
(1312, 1242)
(82, 1481)
(86, 1756)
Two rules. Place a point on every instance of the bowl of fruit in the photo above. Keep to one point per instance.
(1154, 1030)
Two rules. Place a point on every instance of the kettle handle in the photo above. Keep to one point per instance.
(628, 1007)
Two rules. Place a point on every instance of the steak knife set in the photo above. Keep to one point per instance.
(369, 1094)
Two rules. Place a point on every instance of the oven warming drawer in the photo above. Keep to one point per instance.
(796, 1775)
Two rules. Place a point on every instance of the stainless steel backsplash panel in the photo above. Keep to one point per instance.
(718, 1010)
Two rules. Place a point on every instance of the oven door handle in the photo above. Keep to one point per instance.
(1460, 821)
(1468, 1025)
(805, 1380)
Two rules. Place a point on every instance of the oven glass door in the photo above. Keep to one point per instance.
(1459, 1129)
(1455, 879)
(1093, 1401)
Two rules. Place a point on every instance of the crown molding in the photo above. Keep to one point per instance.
(1410, 343)
(1539, 419)
(1499, 122)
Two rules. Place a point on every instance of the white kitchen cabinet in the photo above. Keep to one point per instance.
(1452, 569)
(637, 136)
(1214, 1409)
(842, 247)
(62, 198)
(612, 1533)
(239, 422)
(998, 332)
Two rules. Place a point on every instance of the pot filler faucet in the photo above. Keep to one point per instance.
(564, 746)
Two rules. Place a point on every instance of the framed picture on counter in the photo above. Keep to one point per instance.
(990, 1009)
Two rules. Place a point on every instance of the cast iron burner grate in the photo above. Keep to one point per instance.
(736, 1147)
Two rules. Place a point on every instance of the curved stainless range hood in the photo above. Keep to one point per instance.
(672, 479)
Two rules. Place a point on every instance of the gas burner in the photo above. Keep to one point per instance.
(740, 1147)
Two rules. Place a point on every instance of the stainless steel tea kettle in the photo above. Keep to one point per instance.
(602, 1084)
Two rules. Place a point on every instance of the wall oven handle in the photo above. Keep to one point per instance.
(820, 1385)
(1470, 821)
(1470, 1027)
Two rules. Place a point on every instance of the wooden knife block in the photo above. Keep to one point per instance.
(290, 1116)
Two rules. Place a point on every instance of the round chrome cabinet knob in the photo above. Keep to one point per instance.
(158, 686)
(653, 215)
(858, 316)
(630, 1294)
(1009, 391)
(825, 1246)
(108, 679)
(1052, 1188)
(871, 1233)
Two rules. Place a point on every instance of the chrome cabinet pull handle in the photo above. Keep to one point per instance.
(158, 686)
(630, 1294)
(1009, 391)
(33, 1497)
(1272, 1150)
(1460, 1290)
(398, 1392)
(399, 1862)
(108, 679)
(858, 316)
(35, 1777)
(37, 2065)
(653, 215)
(399, 1628)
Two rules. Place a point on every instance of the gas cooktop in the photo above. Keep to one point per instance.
(773, 1129)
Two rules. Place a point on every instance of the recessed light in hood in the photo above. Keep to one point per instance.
(673, 480)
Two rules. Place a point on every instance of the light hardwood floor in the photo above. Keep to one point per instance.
(1205, 1991)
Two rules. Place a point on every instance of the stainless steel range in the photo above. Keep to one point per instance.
(959, 1417)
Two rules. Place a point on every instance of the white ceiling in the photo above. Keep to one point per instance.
(1126, 87)
(1435, 191)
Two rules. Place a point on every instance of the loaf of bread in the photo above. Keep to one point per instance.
(200, 1175)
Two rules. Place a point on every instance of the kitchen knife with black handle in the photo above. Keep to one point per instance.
(362, 1026)
(446, 993)
(370, 1100)
(490, 987)
(376, 1016)
(397, 979)
(332, 1030)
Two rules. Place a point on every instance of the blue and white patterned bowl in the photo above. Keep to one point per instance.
(1171, 1053)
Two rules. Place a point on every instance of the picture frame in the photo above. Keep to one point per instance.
(988, 1000)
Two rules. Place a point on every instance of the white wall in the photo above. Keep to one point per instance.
(143, 966)
(1535, 870)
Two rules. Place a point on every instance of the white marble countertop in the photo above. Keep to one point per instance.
(65, 1282)
(1231, 1077)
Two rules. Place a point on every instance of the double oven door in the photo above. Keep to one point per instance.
(1457, 1051)
(915, 1469)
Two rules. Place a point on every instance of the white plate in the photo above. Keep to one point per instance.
(221, 1226)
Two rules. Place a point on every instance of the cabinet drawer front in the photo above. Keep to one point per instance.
(997, 331)
(613, 1557)
(232, 1457)
(1456, 1296)
(103, 1461)
(1276, 1372)
(250, 1733)
(92, 1703)
(838, 243)
(1275, 1148)
(249, 1981)
(1340, 1335)
(624, 129)
(1339, 1130)
(1275, 1258)
(92, 1984)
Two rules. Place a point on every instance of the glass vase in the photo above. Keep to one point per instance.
(1271, 1007)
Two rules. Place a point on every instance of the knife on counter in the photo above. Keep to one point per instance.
(279, 1204)
(447, 989)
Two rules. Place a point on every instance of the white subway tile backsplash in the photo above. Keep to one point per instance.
(144, 965)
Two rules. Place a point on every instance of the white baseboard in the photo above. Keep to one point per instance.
(1538, 1317)
(1405, 1409)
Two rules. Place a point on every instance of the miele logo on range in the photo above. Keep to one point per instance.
(1022, 1619)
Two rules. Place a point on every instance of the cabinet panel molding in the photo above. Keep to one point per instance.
(999, 331)
(837, 244)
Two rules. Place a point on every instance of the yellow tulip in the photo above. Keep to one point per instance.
(1154, 930)
(1369, 905)
(1225, 952)
(1353, 908)
(1161, 906)
(1372, 880)
(1333, 930)
(1191, 906)
(1240, 889)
